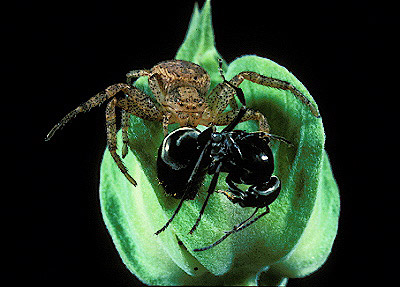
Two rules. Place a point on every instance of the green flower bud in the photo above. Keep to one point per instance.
(293, 240)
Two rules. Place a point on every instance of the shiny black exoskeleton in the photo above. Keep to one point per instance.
(187, 155)
(177, 157)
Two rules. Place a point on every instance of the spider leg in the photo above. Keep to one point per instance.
(140, 104)
(165, 122)
(135, 74)
(94, 101)
(223, 95)
(231, 196)
(111, 126)
(227, 117)
(125, 127)
(136, 103)
(236, 228)
(238, 91)
(273, 83)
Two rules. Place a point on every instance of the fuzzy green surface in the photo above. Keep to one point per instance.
(293, 240)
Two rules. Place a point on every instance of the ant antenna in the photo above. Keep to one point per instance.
(278, 138)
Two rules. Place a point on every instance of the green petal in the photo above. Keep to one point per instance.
(306, 209)
(131, 216)
(317, 239)
(309, 194)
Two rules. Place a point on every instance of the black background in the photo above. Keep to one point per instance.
(56, 55)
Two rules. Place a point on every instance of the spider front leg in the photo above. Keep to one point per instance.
(250, 114)
(94, 101)
(222, 96)
(111, 126)
(136, 74)
(125, 127)
(226, 117)
(136, 103)
(273, 83)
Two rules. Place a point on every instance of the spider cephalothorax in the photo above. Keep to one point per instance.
(181, 96)
(180, 87)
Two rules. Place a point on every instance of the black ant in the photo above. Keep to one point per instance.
(186, 155)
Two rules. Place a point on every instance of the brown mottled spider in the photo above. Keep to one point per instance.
(180, 89)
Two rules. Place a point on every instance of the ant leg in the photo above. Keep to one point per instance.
(268, 191)
(111, 126)
(236, 120)
(172, 217)
(230, 196)
(233, 188)
(211, 189)
(235, 229)
(235, 194)
(187, 188)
